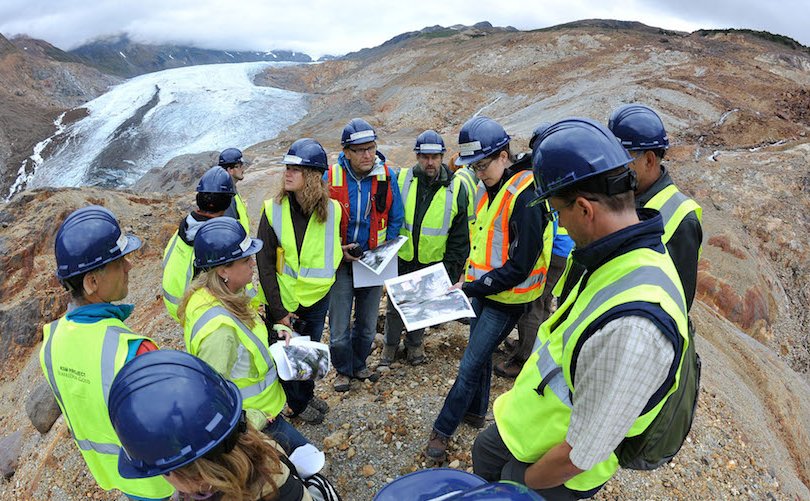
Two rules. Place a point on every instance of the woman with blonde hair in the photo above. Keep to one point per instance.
(221, 327)
(301, 226)
(177, 417)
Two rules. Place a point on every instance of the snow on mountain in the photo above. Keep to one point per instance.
(148, 120)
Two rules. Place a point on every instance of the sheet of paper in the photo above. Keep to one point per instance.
(422, 298)
(378, 259)
(365, 277)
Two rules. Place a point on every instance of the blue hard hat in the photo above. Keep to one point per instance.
(638, 127)
(307, 152)
(357, 131)
(537, 132)
(479, 138)
(230, 156)
(498, 491)
(573, 150)
(221, 240)
(89, 238)
(429, 484)
(168, 409)
(216, 180)
(429, 142)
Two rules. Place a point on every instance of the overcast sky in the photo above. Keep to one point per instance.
(320, 27)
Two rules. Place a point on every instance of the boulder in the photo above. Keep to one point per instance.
(10, 447)
(42, 409)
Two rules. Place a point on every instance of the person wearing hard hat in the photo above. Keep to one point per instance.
(510, 247)
(83, 350)
(623, 329)
(215, 192)
(436, 227)
(642, 134)
(179, 420)
(540, 310)
(222, 327)
(231, 160)
(300, 226)
(366, 188)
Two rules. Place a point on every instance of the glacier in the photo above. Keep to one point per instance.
(148, 120)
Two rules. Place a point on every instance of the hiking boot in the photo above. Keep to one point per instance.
(367, 374)
(509, 368)
(474, 420)
(342, 383)
(319, 404)
(416, 355)
(436, 449)
(389, 353)
(310, 415)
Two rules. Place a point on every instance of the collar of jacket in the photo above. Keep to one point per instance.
(662, 182)
(190, 225)
(443, 179)
(379, 167)
(92, 313)
(647, 233)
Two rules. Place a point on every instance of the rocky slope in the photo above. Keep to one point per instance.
(736, 105)
(37, 83)
(118, 55)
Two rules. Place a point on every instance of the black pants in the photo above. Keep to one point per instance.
(492, 461)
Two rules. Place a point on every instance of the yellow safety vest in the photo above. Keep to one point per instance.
(243, 214)
(436, 222)
(80, 362)
(490, 241)
(470, 182)
(674, 206)
(306, 278)
(178, 270)
(204, 315)
(534, 415)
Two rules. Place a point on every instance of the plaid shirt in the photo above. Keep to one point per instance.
(618, 370)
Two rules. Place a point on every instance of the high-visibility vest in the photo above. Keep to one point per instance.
(534, 415)
(241, 208)
(470, 182)
(80, 362)
(674, 206)
(306, 278)
(436, 222)
(178, 270)
(490, 241)
(204, 315)
(339, 190)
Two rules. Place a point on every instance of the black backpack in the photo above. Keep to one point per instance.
(663, 438)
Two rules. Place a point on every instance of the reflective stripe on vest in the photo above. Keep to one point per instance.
(674, 206)
(81, 367)
(490, 241)
(435, 225)
(178, 270)
(269, 378)
(534, 415)
(320, 251)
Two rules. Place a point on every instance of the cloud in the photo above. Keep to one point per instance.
(323, 27)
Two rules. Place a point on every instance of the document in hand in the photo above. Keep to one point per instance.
(376, 259)
(423, 298)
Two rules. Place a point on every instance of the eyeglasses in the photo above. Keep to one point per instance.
(362, 151)
(554, 214)
(482, 165)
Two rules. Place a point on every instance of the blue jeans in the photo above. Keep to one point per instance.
(470, 391)
(351, 345)
(299, 393)
(285, 434)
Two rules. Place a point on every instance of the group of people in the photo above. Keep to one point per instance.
(590, 209)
